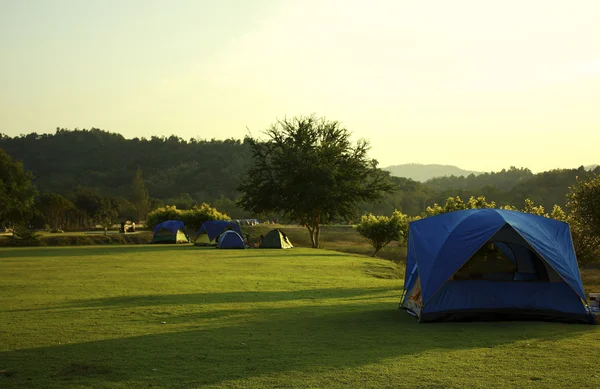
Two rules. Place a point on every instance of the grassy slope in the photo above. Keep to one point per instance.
(93, 317)
(340, 238)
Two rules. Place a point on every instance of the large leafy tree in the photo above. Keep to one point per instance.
(309, 171)
(17, 191)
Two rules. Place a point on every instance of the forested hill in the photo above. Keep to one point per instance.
(107, 162)
(503, 180)
(184, 173)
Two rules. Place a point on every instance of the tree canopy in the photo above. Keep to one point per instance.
(139, 195)
(584, 217)
(17, 193)
(54, 207)
(309, 171)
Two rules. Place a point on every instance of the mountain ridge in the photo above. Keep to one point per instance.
(423, 172)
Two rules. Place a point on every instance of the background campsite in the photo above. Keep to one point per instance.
(108, 309)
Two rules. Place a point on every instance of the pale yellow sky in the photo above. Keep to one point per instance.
(481, 85)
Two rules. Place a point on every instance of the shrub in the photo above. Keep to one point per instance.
(380, 231)
(192, 218)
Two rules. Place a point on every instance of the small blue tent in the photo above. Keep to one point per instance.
(171, 231)
(213, 228)
(231, 240)
(491, 264)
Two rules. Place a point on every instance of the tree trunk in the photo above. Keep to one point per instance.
(317, 236)
(314, 230)
(311, 233)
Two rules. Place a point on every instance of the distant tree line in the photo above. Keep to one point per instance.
(21, 204)
(176, 171)
(185, 173)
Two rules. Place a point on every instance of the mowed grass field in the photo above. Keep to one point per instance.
(143, 316)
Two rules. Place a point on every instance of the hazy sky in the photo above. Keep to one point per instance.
(478, 84)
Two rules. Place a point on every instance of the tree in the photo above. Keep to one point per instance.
(558, 213)
(89, 203)
(583, 201)
(183, 201)
(380, 231)
(228, 206)
(457, 204)
(139, 195)
(530, 207)
(479, 202)
(108, 213)
(17, 191)
(54, 207)
(308, 171)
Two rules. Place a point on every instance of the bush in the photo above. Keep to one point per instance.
(380, 231)
(192, 218)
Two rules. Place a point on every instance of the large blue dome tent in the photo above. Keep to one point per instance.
(491, 264)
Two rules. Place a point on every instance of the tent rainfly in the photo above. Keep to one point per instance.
(491, 264)
(170, 231)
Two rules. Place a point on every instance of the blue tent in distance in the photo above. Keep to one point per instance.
(491, 264)
(170, 231)
(213, 228)
(231, 240)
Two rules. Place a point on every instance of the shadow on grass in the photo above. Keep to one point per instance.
(77, 251)
(259, 343)
(215, 298)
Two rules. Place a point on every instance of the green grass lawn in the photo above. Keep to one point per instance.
(188, 317)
